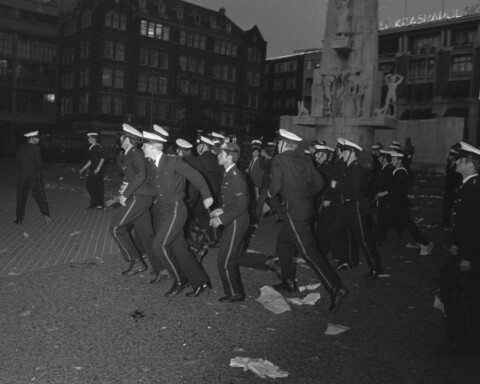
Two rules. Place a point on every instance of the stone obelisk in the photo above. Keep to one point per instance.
(347, 86)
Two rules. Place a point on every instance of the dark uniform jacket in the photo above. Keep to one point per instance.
(134, 171)
(192, 193)
(256, 171)
(466, 222)
(28, 160)
(295, 177)
(351, 184)
(234, 195)
(385, 179)
(167, 181)
(95, 153)
(398, 192)
(208, 166)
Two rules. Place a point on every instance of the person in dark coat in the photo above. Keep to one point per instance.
(166, 182)
(209, 168)
(384, 183)
(95, 165)
(453, 180)
(133, 210)
(233, 216)
(30, 177)
(350, 184)
(460, 275)
(297, 181)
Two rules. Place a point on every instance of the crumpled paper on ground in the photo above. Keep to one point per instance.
(309, 287)
(261, 368)
(310, 299)
(437, 303)
(272, 300)
(335, 329)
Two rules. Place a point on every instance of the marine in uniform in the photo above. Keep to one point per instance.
(382, 198)
(460, 275)
(95, 164)
(209, 168)
(453, 180)
(166, 181)
(30, 177)
(296, 180)
(352, 214)
(133, 210)
(233, 216)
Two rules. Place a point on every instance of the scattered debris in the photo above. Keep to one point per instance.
(26, 235)
(272, 300)
(137, 315)
(27, 312)
(310, 299)
(75, 233)
(335, 329)
(384, 275)
(261, 368)
(309, 287)
(412, 245)
(437, 303)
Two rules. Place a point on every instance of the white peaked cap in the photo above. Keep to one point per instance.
(347, 143)
(206, 140)
(183, 144)
(130, 131)
(31, 134)
(152, 137)
(286, 135)
(160, 130)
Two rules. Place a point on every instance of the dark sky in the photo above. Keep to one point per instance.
(288, 25)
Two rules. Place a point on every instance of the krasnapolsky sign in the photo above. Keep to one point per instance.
(469, 10)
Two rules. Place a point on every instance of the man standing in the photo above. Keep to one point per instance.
(255, 168)
(94, 182)
(134, 209)
(408, 151)
(295, 178)
(350, 184)
(233, 215)
(30, 176)
(460, 280)
(166, 182)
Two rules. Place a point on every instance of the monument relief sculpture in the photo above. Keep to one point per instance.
(392, 80)
(302, 110)
(328, 85)
(356, 89)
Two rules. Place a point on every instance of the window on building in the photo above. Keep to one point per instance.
(86, 19)
(84, 77)
(141, 107)
(160, 109)
(114, 50)
(142, 82)
(278, 84)
(424, 42)
(290, 103)
(231, 96)
(67, 80)
(143, 56)
(387, 67)
(112, 77)
(421, 69)
(388, 46)
(70, 27)
(154, 30)
(290, 83)
(115, 20)
(464, 36)
(83, 102)
(179, 13)
(66, 106)
(313, 64)
(461, 64)
(6, 43)
(84, 49)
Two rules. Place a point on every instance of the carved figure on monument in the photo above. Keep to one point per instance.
(343, 17)
(302, 110)
(392, 80)
(328, 85)
(340, 85)
(356, 89)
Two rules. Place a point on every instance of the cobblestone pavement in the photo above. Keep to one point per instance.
(68, 316)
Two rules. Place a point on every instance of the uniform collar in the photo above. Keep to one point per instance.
(229, 168)
(468, 178)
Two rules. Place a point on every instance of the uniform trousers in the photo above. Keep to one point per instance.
(96, 189)
(135, 213)
(170, 246)
(229, 252)
(349, 247)
(35, 183)
(383, 219)
(350, 218)
(296, 235)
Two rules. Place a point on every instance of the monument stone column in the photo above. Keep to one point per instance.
(347, 87)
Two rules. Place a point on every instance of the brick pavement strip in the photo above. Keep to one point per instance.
(69, 317)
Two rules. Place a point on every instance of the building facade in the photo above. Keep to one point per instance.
(28, 69)
(167, 62)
